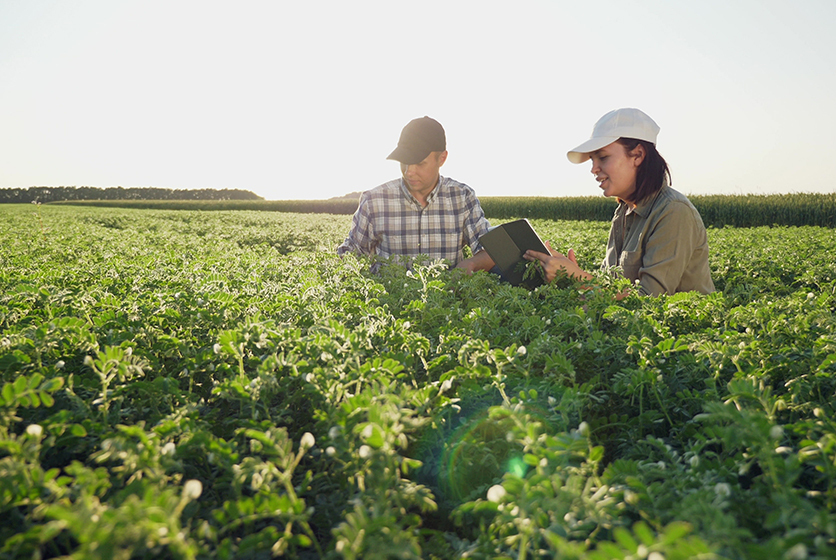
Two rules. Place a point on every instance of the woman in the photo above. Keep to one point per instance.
(657, 236)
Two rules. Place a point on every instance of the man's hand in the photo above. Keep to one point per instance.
(479, 261)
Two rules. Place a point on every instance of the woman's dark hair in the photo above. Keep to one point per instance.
(650, 175)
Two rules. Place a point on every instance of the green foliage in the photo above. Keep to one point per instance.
(222, 385)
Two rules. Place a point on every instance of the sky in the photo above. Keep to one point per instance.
(305, 99)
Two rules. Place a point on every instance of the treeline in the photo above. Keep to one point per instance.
(334, 206)
(716, 210)
(59, 194)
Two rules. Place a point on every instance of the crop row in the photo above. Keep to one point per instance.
(798, 209)
(221, 385)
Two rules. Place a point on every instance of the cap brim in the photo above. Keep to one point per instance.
(408, 156)
(581, 153)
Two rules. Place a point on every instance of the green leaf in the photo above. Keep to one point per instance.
(52, 384)
(46, 398)
(675, 531)
(530, 459)
(303, 540)
(608, 551)
(8, 394)
(625, 539)
(643, 532)
(78, 430)
(35, 380)
(20, 385)
(373, 435)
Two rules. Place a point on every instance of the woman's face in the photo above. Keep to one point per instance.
(615, 169)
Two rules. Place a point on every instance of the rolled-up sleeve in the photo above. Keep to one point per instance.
(475, 223)
(361, 238)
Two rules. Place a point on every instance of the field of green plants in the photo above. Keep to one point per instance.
(186, 384)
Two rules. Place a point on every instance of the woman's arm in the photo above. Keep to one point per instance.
(556, 262)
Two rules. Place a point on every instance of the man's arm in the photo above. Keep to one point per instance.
(476, 225)
(361, 238)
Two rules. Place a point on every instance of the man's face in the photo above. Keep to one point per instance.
(421, 178)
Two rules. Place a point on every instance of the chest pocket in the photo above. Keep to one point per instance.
(631, 262)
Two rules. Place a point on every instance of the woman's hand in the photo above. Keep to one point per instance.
(555, 262)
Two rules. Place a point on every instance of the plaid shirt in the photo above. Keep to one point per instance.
(390, 221)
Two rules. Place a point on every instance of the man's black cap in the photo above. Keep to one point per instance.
(418, 138)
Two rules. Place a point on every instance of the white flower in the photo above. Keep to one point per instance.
(307, 441)
(217, 348)
(777, 432)
(330, 451)
(192, 489)
(364, 451)
(583, 429)
(655, 556)
(35, 430)
(334, 432)
(521, 351)
(169, 448)
(797, 552)
(59, 364)
(722, 489)
(496, 493)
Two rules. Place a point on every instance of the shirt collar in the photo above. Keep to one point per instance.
(433, 194)
(646, 206)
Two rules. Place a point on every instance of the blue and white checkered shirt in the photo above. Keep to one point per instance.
(390, 221)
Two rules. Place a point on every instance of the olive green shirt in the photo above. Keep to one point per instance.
(662, 244)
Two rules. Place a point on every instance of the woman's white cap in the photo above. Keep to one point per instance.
(621, 123)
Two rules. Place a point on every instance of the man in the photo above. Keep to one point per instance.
(422, 213)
